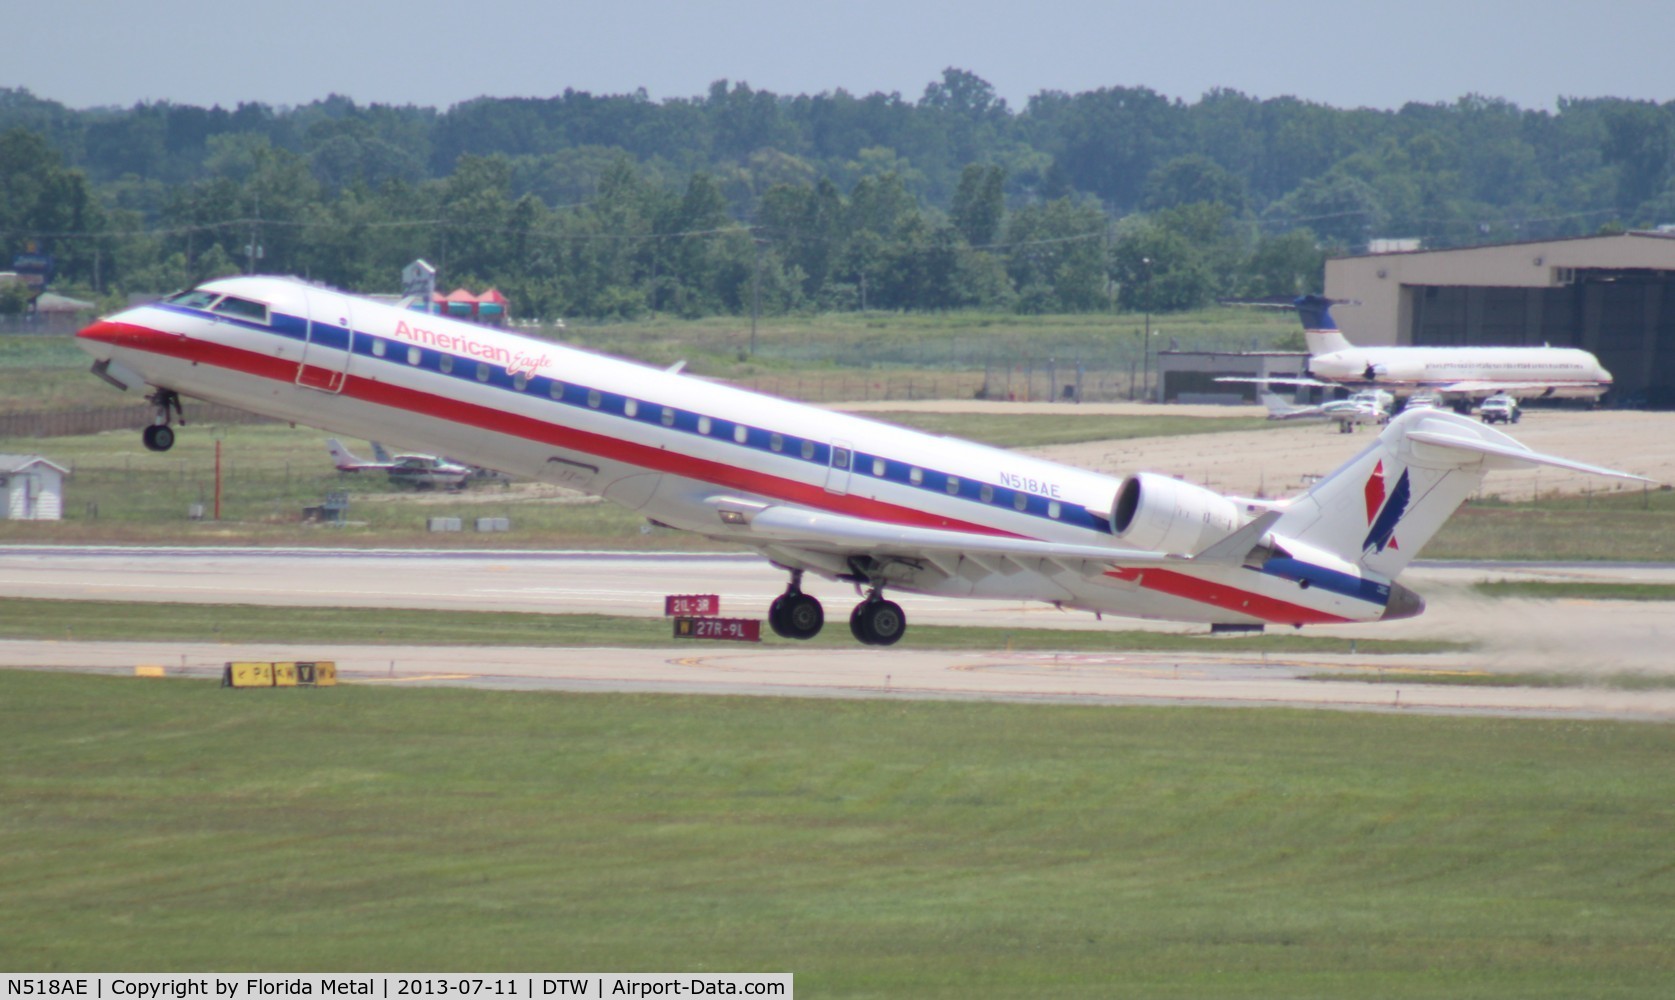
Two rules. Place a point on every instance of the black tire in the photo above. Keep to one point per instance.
(801, 616)
(776, 618)
(158, 437)
(857, 628)
(878, 623)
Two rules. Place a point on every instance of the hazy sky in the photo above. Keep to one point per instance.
(1346, 53)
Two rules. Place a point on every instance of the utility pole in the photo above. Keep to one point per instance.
(1146, 344)
(254, 250)
(755, 292)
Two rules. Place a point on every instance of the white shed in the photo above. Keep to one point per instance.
(31, 488)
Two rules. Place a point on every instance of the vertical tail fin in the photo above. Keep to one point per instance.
(1381, 507)
(378, 453)
(1320, 330)
(1277, 407)
(342, 457)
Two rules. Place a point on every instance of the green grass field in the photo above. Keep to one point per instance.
(1587, 590)
(1632, 526)
(873, 848)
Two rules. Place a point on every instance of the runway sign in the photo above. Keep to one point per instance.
(254, 674)
(728, 629)
(692, 604)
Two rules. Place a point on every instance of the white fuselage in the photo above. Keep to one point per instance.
(1563, 372)
(667, 445)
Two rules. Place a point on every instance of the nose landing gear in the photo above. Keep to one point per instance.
(160, 436)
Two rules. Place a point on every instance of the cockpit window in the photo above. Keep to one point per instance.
(242, 308)
(193, 299)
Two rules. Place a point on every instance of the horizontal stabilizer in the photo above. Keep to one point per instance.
(1511, 456)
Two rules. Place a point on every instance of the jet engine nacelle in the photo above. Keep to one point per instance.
(1161, 514)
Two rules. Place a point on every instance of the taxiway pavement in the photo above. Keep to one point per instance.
(1572, 637)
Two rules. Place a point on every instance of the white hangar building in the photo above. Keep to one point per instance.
(1612, 295)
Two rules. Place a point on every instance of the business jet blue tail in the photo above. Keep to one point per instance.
(1320, 330)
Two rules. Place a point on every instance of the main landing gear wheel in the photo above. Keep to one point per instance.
(158, 437)
(877, 622)
(795, 615)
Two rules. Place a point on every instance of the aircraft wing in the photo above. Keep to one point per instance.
(1297, 413)
(1280, 380)
(770, 525)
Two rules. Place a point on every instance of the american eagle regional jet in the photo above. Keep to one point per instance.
(815, 492)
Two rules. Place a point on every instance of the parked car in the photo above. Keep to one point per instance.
(1499, 409)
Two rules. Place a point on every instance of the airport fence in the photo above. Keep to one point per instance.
(94, 419)
(1021, 383)
(1044, 382)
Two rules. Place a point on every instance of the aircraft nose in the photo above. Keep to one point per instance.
(100, 336)
(1403, 603)
(112, 331)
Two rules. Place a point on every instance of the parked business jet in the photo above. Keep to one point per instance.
(418, 471)
(813, 491)
(1370, 406)
(1459, 375)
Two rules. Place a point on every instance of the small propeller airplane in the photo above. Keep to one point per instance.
(417, 471)
(1457, 375)
(1370, 406)
(813, 491)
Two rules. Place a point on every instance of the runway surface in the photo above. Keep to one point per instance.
(1573, 637)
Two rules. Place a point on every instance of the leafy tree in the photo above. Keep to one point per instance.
(1221, 240)
(45, 204)
(566, 178)
(15, 297)
(1112, 138)
(1640, 144)
(1343, 210)
(806, 227)
(1159, 271)
(694, 231)
(1193, 178)
(1056, 256)
(980, 203)
(1285, 265)
(575, 201)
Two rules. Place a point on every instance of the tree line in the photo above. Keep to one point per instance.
(744, 200)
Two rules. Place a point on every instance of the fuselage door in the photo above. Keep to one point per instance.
(327, 350)
(837, 473)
